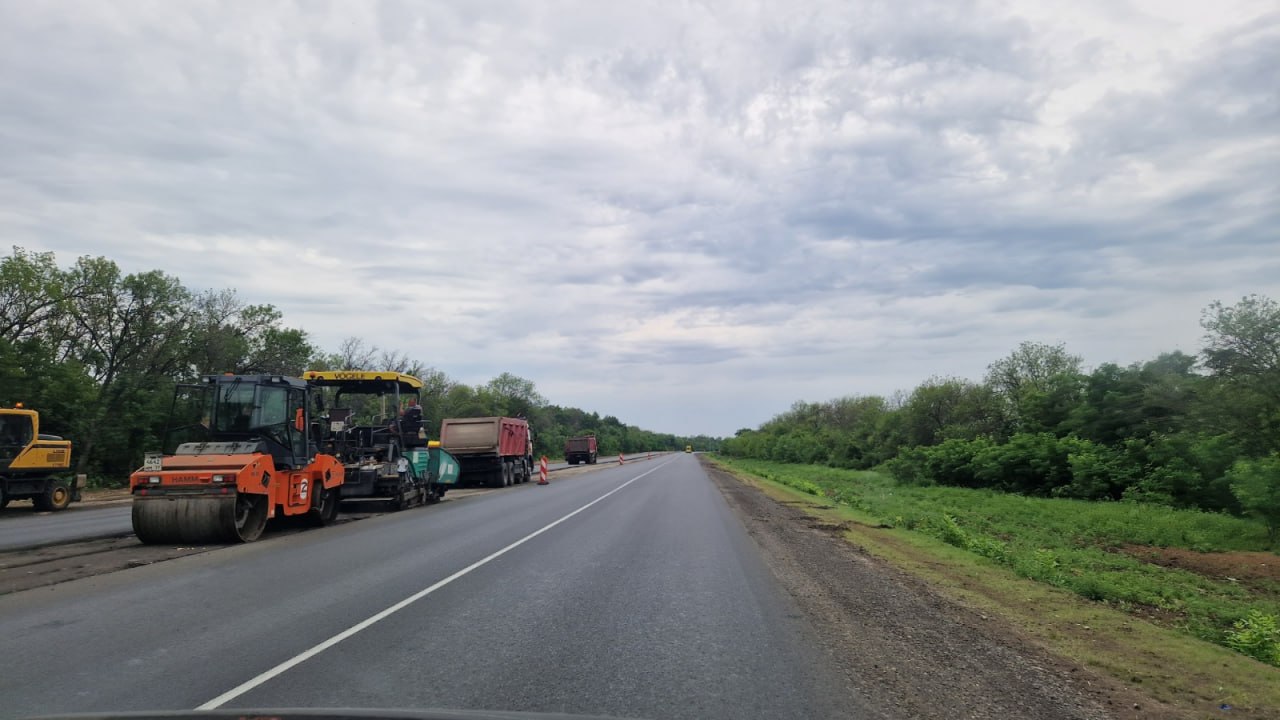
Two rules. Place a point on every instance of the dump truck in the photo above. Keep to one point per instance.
(240, 455)
(33, 464)
(580, 449)
(493, 451)
(372, 422)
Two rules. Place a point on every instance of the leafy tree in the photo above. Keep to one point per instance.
(942, 408)
(131, 340)
(514, 396)
(1242, 353)
(32, 292)
(229, 335)
(1256, 483)
(1242, 343)
(1039, 383)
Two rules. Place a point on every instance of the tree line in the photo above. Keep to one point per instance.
(1198, 431)
(98, 351)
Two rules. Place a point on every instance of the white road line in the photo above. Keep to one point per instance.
(303, 656)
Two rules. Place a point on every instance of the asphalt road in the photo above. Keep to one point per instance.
(630, 591)
(20, 527)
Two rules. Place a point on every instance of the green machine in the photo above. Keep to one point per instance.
(439, 467)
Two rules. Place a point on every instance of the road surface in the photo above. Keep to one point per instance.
(630, 591)
(22, 528)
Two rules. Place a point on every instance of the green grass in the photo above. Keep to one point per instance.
(1068, 544)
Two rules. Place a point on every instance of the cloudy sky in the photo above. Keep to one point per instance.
(686, 214)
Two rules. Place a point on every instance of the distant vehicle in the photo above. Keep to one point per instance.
(688, 448)
(30, 460)
(492, 451)
(241, 456)
(581, 449)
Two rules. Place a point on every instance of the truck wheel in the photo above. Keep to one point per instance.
(4, 498)
(508, 471)
(57, 496)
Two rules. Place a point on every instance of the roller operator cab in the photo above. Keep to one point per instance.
(32, 463)
(237, 453)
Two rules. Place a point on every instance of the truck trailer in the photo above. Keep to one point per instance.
(492, 451)
(580, 449)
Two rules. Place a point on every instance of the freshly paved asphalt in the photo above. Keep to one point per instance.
(652, 602)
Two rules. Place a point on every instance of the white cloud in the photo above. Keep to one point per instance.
(685, 215)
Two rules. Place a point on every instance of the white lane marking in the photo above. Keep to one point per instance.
(305, 655)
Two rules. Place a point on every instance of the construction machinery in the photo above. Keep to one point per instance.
(372, 422)
(30, 462)
(493, 451)
(240, 456)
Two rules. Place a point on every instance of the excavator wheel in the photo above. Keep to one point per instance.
(57, 496)
(200, 520)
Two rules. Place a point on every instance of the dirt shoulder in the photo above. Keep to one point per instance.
(900, 639)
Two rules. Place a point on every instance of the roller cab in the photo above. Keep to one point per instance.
(240, 456)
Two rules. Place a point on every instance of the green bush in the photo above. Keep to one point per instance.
(1258, 636)
(1028, 464)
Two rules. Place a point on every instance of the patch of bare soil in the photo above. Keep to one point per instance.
(98, 495)
(1229, 566)
(911, 651)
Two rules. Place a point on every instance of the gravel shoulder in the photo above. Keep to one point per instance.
(912, 651)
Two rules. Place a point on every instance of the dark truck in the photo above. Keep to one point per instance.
(492, 451)
(580, 450)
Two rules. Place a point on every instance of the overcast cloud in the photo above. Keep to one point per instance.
(685, 214)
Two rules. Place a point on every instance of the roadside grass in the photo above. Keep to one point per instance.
(1031, 565)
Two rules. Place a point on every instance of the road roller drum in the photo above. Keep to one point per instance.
(199, 520)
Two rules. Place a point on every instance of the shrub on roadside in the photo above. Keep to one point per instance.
(1258, 636)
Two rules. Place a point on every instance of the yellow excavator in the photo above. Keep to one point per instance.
(33, 465)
